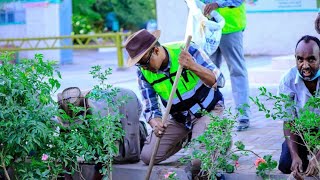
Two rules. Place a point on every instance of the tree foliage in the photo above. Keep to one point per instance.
(132, 14)
(85, 8)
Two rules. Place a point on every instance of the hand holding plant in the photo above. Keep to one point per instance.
(304, 122)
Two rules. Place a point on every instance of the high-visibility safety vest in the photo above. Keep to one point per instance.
(191, 93)
(235, 18)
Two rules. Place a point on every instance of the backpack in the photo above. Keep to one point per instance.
(135, 131)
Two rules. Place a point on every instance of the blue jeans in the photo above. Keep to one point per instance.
(231, 48)
(285, 157)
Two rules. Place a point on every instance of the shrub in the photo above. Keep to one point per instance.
(305, 125)
(26, 107)
(33, 144)
(217, 156)
(96, 134)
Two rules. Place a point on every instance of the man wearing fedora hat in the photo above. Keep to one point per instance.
(198, 89)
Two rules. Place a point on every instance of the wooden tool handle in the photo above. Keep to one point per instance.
(165, 117)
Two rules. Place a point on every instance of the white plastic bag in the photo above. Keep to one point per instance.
(205, 33)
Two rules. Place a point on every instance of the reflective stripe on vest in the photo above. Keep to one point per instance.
(235, 18)
(191, 93)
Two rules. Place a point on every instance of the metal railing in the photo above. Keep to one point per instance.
(63, 42)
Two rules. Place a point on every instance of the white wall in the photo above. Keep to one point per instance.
(14, 30)
(277, 33)
(41, 21)
(266, 34)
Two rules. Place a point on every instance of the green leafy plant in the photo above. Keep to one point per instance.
(303, 125)
(26, 109)
(140, 11)
(80, 25)
(34, 144)
(96, 132)
(110, 126)
(86, 9)
(217, 156)
(264, 166)
(95, 11)
(216, 141)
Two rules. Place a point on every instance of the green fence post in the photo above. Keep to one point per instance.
(119, 50)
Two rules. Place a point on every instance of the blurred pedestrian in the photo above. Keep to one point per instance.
(231, 48)
(317, 23)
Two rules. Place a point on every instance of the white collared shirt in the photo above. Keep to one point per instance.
(291, 84)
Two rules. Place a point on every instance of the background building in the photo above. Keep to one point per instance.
(273, 26)
(37, 18)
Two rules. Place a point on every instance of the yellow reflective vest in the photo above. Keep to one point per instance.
(191, 93)
(235, 18)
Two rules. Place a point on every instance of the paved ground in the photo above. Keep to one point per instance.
(263, 137)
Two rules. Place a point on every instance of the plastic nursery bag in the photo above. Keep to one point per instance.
(206, 33)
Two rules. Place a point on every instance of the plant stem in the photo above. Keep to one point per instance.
(110, 170)
(308, 148)
(245, 150)
(4, 168)
(80, 172)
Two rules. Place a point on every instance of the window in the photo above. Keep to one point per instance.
(12, 13)
(2, 17)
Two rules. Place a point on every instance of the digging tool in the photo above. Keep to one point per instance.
(165, 117)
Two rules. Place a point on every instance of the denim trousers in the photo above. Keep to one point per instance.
(231, 48)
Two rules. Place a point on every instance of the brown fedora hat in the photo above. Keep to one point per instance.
(139, 43)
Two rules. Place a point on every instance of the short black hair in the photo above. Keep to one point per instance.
(157, 44)
(308, 38)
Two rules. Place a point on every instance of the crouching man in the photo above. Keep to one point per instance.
(300, 83)
(135, 132)
(198, 89)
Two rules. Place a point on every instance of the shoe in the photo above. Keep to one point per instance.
(243, 124)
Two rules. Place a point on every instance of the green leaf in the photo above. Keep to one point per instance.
(239, 145)
(234, 157)
(230, 168)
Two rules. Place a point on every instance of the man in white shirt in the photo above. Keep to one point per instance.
(300, 83)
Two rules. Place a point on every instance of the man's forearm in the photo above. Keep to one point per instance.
(291, 141)
(204, 74)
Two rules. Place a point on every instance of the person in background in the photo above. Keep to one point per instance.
(231, 48)
(317, 23)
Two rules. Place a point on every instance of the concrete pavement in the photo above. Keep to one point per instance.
(263, 137)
